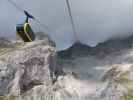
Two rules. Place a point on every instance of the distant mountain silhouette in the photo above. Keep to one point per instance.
(112, 45)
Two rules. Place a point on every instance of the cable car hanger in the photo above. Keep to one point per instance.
(27, 13)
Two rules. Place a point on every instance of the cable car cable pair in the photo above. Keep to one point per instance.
(25, 31)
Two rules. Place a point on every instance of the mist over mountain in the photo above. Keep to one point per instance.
(96, 21)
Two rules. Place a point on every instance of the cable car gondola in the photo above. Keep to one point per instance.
(24, 30)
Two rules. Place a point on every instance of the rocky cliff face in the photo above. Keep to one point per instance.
(106, 68)
(33, 71)
(26, 66)
(119, 83)
(29, 71)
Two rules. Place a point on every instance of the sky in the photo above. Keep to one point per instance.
(95, 20)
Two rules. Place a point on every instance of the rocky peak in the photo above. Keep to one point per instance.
(26, 65)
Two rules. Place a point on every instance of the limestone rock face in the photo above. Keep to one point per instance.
(29, 71)
(119, 83)
(66, 88)
(26, 66)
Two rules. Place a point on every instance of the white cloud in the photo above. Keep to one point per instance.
(96, 20)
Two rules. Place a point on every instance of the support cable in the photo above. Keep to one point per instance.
(72, 21)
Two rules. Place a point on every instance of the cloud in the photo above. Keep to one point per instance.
(95, 20)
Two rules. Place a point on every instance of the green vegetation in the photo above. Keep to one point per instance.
(128, 96)
(10, 49)
(3, 98)
(7, 97)
(127, 84)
